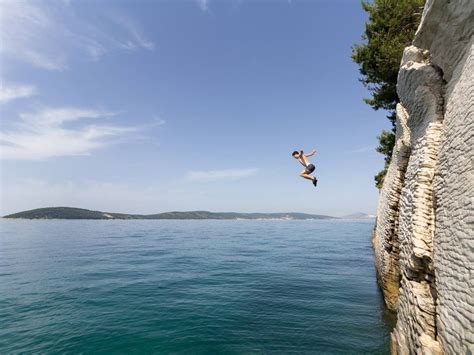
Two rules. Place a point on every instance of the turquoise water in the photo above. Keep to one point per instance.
(200, 287)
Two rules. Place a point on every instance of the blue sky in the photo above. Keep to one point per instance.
(151, 106)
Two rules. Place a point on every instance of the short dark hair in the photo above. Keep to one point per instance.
(295, 153)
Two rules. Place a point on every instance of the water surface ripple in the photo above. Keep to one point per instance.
(201, 287)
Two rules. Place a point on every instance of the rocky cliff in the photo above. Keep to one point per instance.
(424, 235)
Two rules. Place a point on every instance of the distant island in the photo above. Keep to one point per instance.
(81, 213)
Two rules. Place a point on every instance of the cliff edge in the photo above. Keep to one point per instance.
(423, 239)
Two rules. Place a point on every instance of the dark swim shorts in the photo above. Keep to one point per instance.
(309, 169)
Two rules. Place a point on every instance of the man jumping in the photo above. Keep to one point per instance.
(309, 168)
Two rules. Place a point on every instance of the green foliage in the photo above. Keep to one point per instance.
(386, 144)
(390, 28)
(380, 177)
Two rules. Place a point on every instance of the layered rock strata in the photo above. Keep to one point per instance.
(424, 237)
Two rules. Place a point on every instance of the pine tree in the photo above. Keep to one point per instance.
(390, 28)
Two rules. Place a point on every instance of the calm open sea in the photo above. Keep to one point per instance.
(190, 287)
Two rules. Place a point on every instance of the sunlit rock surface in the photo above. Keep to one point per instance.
(424, 238)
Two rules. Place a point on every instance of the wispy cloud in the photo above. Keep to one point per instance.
(49, 34)
(15, 91)
(203, 4)
(213, 175)
(56, 132)
(136, 38)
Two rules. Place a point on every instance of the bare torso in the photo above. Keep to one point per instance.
(304, 160)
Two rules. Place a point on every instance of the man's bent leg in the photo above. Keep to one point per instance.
(306, 176)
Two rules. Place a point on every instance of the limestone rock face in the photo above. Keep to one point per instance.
(386, 241)
(420, 88)
(454, 227)
(445, 31)
(424, 235)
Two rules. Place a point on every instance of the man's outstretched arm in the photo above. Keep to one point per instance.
(313, 152)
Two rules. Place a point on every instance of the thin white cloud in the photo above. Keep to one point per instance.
(213, 175)
(57, 132)
(50, 34)
(203, 4)
(15, 91)
(136, 38)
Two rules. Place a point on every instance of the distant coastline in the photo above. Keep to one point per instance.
(81, 213)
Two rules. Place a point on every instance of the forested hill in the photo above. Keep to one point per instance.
(80, 213)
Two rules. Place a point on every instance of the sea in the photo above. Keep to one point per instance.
(190, 287)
